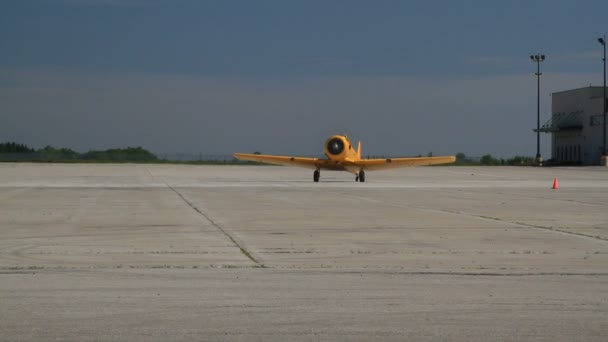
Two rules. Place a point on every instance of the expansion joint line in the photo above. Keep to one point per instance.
(482, 217)
(218, 227)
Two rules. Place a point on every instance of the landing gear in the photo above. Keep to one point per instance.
(316, 175)
(361, 176)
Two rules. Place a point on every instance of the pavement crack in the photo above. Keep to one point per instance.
(218, 227)
(481, 217)
(484, 274)
(528, 225)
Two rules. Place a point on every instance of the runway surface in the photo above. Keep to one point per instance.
(176, 252)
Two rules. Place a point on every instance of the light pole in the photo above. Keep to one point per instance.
(602, 41)
(538, 58)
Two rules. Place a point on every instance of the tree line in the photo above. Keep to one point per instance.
(11, 151)
(13, 147)
(462, 159)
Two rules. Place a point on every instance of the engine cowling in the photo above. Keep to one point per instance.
(337, 147)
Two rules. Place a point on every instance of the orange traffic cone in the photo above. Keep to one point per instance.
(555, 184)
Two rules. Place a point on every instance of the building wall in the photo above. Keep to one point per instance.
(568, 147)
(583, 145)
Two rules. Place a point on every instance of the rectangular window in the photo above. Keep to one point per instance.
(596, 120)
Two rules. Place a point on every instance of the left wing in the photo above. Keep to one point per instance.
(389, 163)
(311, 163)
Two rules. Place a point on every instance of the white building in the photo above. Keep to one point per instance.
(576, 126)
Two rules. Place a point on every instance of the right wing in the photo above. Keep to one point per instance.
(310, 163)
(389, 163)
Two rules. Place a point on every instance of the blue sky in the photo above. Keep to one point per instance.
(212, 77)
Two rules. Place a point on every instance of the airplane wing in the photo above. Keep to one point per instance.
(352, 166)
(389, 163)
(310, 163)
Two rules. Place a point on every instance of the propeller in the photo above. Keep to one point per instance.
(335, 146)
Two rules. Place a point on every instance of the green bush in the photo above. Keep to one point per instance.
(521, 160)
(126, 154)
(489, 160)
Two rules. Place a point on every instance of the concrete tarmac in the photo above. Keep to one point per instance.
(259, 253)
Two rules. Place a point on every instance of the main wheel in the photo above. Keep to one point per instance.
(361, 176)
(316, 175)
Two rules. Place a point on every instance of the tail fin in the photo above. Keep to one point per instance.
(359, 151)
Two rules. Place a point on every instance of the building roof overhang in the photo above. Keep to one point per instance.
(562, 122)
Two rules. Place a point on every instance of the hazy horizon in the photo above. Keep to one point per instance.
(213, 78)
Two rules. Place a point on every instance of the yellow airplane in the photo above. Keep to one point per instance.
(342, 157)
